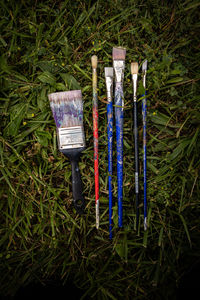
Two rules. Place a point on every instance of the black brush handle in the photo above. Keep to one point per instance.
(135, 117)
(77, 187)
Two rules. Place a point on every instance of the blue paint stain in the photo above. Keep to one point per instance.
(119, 139)
(144, 113)
(66, 110)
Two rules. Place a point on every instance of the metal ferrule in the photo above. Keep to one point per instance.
(144, 78)
(94, 77)
(109, 88)
(134, 78)
(119, 66)
(71, 137)
(145, 223)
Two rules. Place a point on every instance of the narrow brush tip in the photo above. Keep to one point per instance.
(134, 68)
(108, 72)
(144, 65)
(94, 61)
(69, 95)
(119, 53)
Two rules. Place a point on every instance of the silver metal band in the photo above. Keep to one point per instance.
(134, 77)
(109, 88)
(119, 66)
(71, 137)
(144, 79)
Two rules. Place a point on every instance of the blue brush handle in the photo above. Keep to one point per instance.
(110, 152)
(119, 139)
(144, 113)
(135, 116)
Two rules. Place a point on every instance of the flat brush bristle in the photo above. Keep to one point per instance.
(67, 108)
(67, 96)
(134, 68)
(144, 65)
(94, 61)
(108, 72)
(119, 53)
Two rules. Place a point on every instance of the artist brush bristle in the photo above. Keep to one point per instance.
(94, 61)
(119, 53)
(67, 108)
(144, 66)
(134, 68)
(108, 72)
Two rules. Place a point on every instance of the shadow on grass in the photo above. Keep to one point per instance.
(51, 290)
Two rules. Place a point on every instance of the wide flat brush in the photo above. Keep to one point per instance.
(94, 61)
(67, 109)
(134, 72)
(144, 114)
(119, 55)
(109, 90)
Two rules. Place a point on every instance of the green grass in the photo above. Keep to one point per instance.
(46, 47)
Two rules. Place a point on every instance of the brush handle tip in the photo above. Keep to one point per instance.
(97, 214)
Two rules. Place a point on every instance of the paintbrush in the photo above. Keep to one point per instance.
(144, 114)
(67, 109)
(109, 91)
(118, 55)
(94, 61)
(134, 72)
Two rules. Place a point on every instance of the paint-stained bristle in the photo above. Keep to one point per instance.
(119, 53)
(67, 108)
(94, 61)
(134, 68)
(65, 96)
(108, 72)
(144, 66)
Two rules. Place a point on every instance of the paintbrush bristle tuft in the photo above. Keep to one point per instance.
(94, 61)
(119, 53)
(108, 72)
(65, 96)
(134, 68)
(144, 65)
(67, 108)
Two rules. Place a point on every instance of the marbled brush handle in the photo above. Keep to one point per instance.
(119, 103)
(110, 153)
(96, 142)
